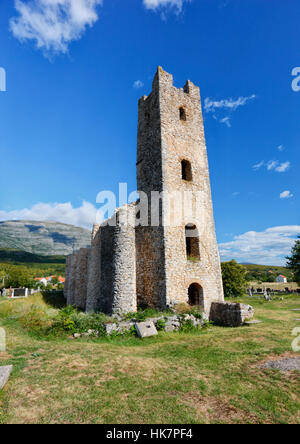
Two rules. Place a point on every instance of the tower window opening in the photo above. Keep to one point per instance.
(182, 114)
(192, 243)
(186, 170)
(147, 116)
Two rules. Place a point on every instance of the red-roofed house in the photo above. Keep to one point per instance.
(42, 281)
(281, 278)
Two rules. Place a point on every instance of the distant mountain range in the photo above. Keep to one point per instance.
(43, 238)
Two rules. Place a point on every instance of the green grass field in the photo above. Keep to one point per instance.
(210, 376)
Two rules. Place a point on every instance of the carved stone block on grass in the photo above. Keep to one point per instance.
(230, 314)
(4, 375)
(146, 329)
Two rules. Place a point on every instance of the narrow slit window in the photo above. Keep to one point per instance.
(186, 170)
(182, 114)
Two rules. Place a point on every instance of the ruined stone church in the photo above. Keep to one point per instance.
(131, 265)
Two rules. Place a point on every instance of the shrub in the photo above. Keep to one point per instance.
(187, 325)
(36, 320)
(142, 315)
(183, 308)
(196, 312)
(234, 281)
(160, 325)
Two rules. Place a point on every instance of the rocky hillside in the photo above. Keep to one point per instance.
(45, 238)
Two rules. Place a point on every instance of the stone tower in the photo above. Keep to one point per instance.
(178, 261)
(171, 255)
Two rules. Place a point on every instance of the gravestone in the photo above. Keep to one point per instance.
(254, 322)
(4, 375)
(2, 340)
(146, 329)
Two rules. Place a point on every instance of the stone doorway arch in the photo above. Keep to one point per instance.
(196, 295)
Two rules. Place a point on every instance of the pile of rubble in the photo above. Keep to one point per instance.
(149, 327)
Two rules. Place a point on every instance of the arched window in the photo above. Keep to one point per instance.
(196, 296)
(186, 170)
(182, 114)
(192, 242)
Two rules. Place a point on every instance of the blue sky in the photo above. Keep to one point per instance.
(68, 118)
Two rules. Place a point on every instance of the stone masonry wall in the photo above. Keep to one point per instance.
(185, 140)
(81, 278)
(118, 263)
(94, 272)
(151, 277)
(67, 281)
(71, 278)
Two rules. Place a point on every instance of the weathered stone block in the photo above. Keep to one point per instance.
(121, 327)
(230, 314)
(110, 328)
(4, 375)
(172, 324)
(146, 329)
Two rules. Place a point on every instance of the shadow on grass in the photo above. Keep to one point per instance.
(54, 298)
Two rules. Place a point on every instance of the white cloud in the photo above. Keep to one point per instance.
(257, 166)
(283, 167)
(273, 165)
(155, 4)
(231, 104)
(228, 105)
(268, 247)
(138, 84)
(286, 195)
(53, 24)
(226, 121)
(280, 148)
(83, 216)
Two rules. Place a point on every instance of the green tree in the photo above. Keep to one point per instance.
(234, 281)
(18, 277)
(54, 280)
(2, 277)
(293, 261)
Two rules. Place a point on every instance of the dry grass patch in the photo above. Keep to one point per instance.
(216, 410)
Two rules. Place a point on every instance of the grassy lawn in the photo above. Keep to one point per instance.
(210, 376)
